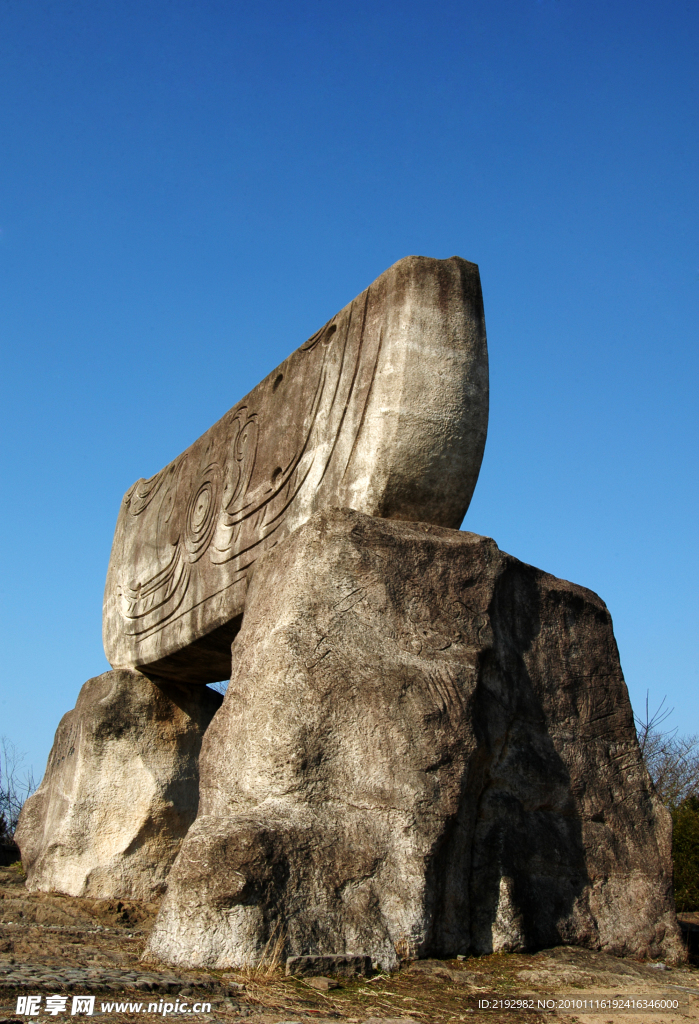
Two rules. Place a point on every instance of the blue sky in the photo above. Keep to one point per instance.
(188, 190)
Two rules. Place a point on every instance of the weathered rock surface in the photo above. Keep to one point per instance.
(384, 410)
(120, 791)
(426, 748)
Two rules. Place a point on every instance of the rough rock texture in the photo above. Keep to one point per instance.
(120, 791)
(426, 747)
(384, 409)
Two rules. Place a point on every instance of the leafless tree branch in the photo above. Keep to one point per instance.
(672, 761)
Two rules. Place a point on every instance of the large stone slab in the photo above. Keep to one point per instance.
(383, 410)
(120, 791)
(426, 748)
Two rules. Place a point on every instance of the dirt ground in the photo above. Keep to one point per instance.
(57, 945)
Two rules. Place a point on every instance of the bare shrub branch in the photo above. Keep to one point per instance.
(15, 786)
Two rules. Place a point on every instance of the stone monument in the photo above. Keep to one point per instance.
(426, 747)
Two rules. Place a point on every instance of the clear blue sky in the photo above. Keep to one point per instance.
(188, 190)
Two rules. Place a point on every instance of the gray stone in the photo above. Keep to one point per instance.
(321, 983)
(390, 1020)
(120, 791)
(384, 410)
(426, 747)
(343, 965)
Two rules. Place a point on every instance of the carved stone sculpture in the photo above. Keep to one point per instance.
(120, 790)
(383, 410)
(426, 747)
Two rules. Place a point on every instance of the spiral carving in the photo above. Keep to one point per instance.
(202, 512)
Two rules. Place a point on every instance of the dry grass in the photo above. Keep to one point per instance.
(269, 963)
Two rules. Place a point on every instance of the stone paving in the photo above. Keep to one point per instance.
(39, 978)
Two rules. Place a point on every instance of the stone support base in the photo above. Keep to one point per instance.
(120, 791)
(426, 748)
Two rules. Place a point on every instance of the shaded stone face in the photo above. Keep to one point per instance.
(384, 410)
